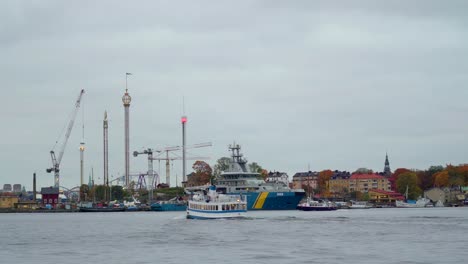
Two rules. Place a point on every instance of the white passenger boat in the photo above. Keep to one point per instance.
(214, 205)
(359, 205)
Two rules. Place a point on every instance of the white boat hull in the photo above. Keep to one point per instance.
(199, 214)
(418, 204)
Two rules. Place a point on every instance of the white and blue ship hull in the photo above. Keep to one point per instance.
(272, 200)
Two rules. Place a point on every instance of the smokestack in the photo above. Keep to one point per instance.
(34, 187)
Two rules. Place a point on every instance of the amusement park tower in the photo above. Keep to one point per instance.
(82, 148)
(183, 120)
(126, 99)
(106, 149)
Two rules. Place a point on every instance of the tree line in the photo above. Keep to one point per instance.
(435, 176)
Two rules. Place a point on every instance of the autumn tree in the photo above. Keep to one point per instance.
(425, 180)
(202, 174)
(408, 180)
(323, 178)
(456, 178)
(463, 172)
(393, 179)
(441, 179)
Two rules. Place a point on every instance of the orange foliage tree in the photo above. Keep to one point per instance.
(202, 173)
(323, 178)
(441, 179)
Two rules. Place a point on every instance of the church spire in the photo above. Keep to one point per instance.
(387, 171)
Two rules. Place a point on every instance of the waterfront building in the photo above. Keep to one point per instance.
(278, 177)
(436, 194)
(17, 188)
(365, 182)
(26, 205)
(305, 180)
(339, 183)
(377, 196)
(8, 200)
(7, 188)
(50, 195)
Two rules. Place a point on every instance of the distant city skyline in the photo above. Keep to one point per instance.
(325, 84)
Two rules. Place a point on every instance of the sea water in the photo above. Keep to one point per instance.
(386, 235)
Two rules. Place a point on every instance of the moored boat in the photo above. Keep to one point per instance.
(420, 203)
(175, 204)
(214, 205)
(359, 205)
(313, 205)
(101, 209)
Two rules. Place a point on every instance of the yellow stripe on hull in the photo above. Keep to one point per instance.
(260, 200)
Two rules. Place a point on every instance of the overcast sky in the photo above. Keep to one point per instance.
(330, 85)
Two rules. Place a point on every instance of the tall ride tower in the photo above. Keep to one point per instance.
(126, 99)
(183, 120)
(82, 148)
(106, 149)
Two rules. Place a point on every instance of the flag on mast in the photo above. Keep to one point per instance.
(129, 73)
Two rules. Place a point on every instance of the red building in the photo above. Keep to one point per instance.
(50, 195)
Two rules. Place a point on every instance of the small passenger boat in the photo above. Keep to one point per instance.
(359, 205)
(213, 205)
(313, 205)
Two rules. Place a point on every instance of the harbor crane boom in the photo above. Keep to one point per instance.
(150, 153)
(56, 161)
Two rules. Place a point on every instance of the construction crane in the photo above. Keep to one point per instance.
(56, 161)
(176, 148)
(166, 150)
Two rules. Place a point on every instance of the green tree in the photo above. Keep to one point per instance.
(221, 165)
(254, 167)
(365, 197)
(363, 171)
(408, 180)
(84, 192)
(435, 169)
(117, 193)
(393, 179)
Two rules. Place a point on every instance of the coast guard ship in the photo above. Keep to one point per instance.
(261, 195)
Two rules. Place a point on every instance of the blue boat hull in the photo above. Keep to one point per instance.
(168, 207)
(272, 200)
